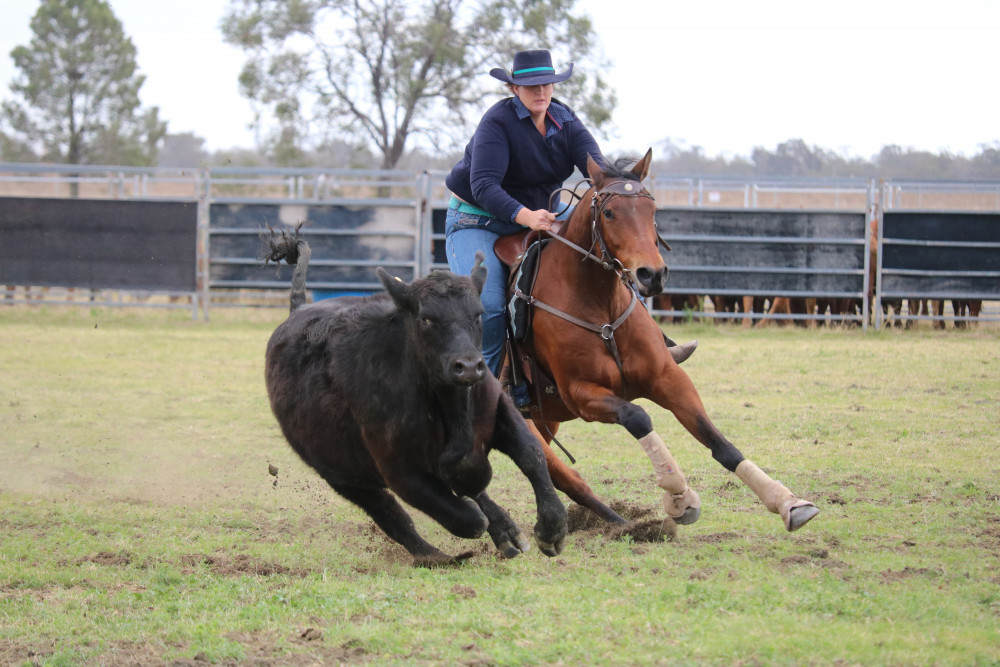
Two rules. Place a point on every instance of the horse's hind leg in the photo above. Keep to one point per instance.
(571, 483)
(390, 516)
(684, 402)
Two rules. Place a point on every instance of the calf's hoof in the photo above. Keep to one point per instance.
(513, 545)
(550, 549)
(799, 514)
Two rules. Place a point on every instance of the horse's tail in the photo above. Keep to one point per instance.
(295, 251)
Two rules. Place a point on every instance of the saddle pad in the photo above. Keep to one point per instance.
(519, 310)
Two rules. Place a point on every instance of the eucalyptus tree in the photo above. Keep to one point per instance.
(75, 98)
(392, 74)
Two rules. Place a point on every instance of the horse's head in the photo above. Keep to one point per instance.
(623, 223)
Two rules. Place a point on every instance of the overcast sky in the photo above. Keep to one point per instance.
(727, 75)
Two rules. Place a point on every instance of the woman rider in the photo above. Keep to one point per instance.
(524, 148)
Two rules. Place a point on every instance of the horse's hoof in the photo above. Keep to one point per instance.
(800, 514)
(683, 508)
(690, 515)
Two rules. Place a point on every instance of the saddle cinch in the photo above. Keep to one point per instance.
(519, 252)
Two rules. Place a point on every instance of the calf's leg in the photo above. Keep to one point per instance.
(390, 516)
(458, 515)
(512, 436)
(504, 532)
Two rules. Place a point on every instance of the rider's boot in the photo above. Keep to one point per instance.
(680, 352)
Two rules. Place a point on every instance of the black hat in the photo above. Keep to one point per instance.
(531, 68)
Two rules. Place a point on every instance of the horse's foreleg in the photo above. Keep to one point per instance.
(686, 405)
(680, 502)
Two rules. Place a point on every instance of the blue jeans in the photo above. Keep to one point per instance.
(464, 235)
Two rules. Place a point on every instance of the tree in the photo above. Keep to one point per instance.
(76, 97)
(389, 73)
(185, 149)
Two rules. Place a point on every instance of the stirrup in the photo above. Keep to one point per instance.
(680, 353)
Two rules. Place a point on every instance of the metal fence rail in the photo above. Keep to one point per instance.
(360, 219)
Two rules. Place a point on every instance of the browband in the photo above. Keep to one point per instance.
(624, 188)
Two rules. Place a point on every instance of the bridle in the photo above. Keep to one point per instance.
(599, 201)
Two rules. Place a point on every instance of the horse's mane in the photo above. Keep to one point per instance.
(620, 168)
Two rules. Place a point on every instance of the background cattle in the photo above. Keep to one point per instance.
(392, 392)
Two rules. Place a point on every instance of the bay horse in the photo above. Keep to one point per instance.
(591, 351)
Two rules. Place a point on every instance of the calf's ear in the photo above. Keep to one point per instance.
(479, 272)
(397, 289)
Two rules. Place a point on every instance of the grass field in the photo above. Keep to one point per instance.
(139, 524)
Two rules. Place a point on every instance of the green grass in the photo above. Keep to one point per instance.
(138, 522)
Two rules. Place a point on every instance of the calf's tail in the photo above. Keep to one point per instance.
(295, 251)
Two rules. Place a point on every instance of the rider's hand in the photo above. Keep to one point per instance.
(537, 220)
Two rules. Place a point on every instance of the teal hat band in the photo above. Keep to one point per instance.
(534, 69)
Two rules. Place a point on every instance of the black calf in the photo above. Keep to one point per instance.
(391, 392)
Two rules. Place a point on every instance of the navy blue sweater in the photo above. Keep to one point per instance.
(509, 164)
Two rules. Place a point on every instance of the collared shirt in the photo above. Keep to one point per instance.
(509, 165)
(556, 112)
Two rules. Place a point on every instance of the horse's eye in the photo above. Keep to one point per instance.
(609, 215)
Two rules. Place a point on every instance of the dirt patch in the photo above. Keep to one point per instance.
(461, 591)
(579, 518)
(239, 565)
(643, 524)
(108, 558)
(715, 538)
(888, 576)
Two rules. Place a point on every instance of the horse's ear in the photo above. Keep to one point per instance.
(397, 289)
(595, 172)
(479, 272)
(641, 168)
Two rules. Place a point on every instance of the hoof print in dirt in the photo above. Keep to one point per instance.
(652, 530)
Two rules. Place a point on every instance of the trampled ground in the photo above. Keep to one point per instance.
(140, 524)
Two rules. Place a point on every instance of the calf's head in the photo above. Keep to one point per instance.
(443, 322)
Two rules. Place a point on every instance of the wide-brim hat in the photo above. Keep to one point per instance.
(531, 68)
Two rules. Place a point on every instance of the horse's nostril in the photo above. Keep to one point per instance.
(649, 277)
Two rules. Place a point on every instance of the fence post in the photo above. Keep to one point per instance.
(203, 191)
(877, 305)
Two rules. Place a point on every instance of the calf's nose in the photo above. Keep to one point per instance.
(469, 369)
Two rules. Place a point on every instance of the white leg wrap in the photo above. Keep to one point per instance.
(775, 496)
(679, 497)
(668, 474)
